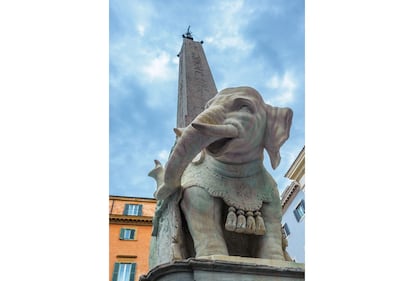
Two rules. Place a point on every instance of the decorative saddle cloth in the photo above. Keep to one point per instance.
(243, 186)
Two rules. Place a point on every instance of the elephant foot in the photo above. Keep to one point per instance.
(269, 247)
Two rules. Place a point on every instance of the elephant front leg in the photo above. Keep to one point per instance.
(269, 245)
(203, 214)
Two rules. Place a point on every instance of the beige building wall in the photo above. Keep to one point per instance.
(293, 209)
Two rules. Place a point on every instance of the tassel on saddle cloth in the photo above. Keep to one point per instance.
(241, 224)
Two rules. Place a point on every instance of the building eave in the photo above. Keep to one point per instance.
(288, 195)
(131, 220)
(127, 198)
(297, 169)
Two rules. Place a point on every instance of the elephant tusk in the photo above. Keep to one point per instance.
(225, 131)
(178, 132)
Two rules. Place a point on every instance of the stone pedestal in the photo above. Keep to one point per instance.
(227, 268)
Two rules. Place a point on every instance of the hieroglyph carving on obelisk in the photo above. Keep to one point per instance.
(195, 82)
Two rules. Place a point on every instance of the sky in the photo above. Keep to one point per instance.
(247, 43)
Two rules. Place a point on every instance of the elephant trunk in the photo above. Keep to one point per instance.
(206, 129)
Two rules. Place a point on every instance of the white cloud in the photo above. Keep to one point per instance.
(229, 19)
(288, 82)
(141, 29)
(235, 41)
(163, 156)
(227, 41)
(176, 60)
(141, 12)
(285, 89)
(159, 68)
(273, 82)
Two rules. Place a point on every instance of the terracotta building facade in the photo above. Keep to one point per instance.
(130, 226)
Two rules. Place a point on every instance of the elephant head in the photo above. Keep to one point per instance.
(235, 127)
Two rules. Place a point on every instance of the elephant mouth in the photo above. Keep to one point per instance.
(217, 147)
(218, 137)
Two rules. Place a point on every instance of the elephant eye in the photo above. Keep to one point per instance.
(245, 107)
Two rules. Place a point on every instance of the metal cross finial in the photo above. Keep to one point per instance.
(188, 34)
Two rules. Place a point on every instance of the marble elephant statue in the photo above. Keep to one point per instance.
(230, 203)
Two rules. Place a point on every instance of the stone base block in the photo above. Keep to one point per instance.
(227, 268)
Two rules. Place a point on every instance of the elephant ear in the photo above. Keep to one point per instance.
(279, 121)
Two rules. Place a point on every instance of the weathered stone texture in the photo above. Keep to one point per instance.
(196, 85)
(227, 269)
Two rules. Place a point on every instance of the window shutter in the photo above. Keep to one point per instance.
(115, 273)
(121, 235)
(297, 216)
(132, 235)
(286, 228)
(132, 276)
(140, 210)
(126, 209)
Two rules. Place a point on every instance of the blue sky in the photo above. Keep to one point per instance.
(253, 43)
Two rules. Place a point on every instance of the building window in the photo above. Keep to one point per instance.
(124, 272)
(133, 210)
(127, 234)
(300, 210)
(285, 230)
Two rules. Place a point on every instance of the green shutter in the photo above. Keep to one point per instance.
(132, 236)
(126, 209)
(132, 276)
(286, 229)
(140, 210)
(115, 273)
(297, 216)
(121, 235)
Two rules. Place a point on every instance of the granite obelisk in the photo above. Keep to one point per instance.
(195, 82)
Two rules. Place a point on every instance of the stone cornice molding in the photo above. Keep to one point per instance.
(297, 169)
(210, 268)
(288, 195)
(130, 220)
(136, 199)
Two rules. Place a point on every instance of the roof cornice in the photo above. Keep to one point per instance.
(297, 169)
(288, 195)
(132, 220)
(126, 198)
